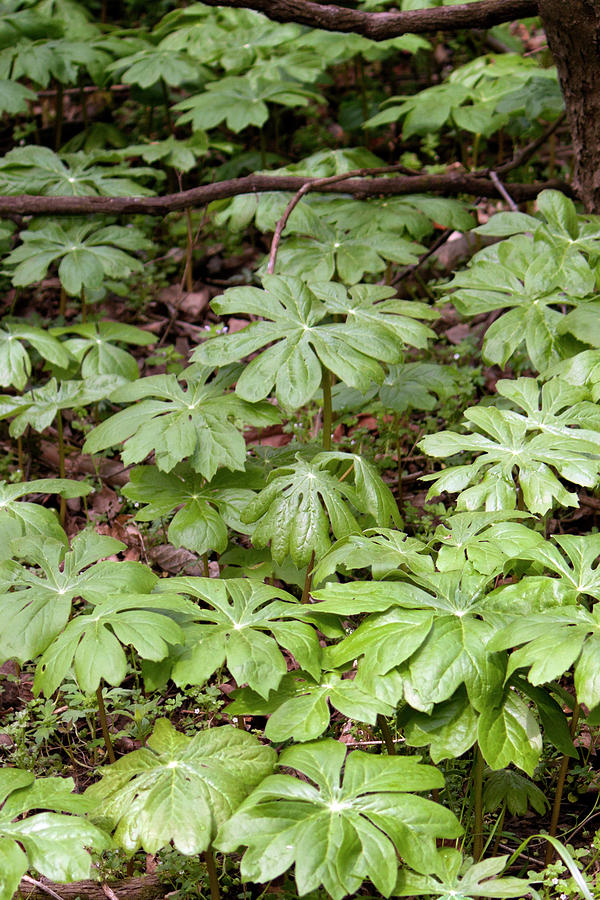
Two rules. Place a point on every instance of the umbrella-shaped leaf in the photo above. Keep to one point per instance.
(180, 789)
(92, 643)
(245, 624)
(56, 845)
(199, 423)
(339, 830)
(206, 509)
(299, 708)
(36, 613)
(302, 504)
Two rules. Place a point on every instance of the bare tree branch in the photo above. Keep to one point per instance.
(449, 183)
(384, 25)
(148, 887)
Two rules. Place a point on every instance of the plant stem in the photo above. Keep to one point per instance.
(61, 462)
(560, 786)
(478, 805)
(213, 877)
(327, 412)
(475, 157)
(399, 449)
(205, 565)
(308, 579)
(189, 281)
(20, 458)
(263, 148)
(62, 306)
(58, 124)
(386, 733)
(83, 306)
(104, 725)
(499, 827)
(166, 100)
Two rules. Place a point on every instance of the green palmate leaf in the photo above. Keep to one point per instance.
(244, 625)
(38, 407)
(508, 788)
(241, 101)
(56, 845)
(417, 385)
(199, 423)
(15, 97)
(86, 254)
(435, 634)
(338, 831)
(384, 550)
(92, 643)
(526, 278)
(371, 310)
(154, 64)
(96, 351)
(301, 343)
(35, 614)
(299, 708)
(326, 251)
(182, 155)
(205, 510)
(552, 643)
(20, 517)
(179, 789)
(462, 880)
(477, 97)
(534, 446)
(486, 539)
(569, 233)
(575, 566)
(15, 364)
(414, 213)
(37, 170)
(509, 733)
(62, 59)
(449, 730)
(303, 503)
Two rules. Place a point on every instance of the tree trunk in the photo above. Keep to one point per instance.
(573, 32)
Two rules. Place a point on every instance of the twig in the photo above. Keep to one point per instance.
(502, 190)
(42, 887)
(439, 241)
(527, 152)
(384, 25)
(313, 186)
(108, 891)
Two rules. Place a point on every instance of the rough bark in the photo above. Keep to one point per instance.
(452, 183)
(573, 32)
(149, 887)
(384, 25)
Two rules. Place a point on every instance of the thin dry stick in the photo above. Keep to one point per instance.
(450, 183)
(439, 241)
(502, 190)
(315, 185)
(41, 886)
(527, 152)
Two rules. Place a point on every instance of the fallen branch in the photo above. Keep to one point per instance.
(149, 887)
(382, 26)
(449, 183)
